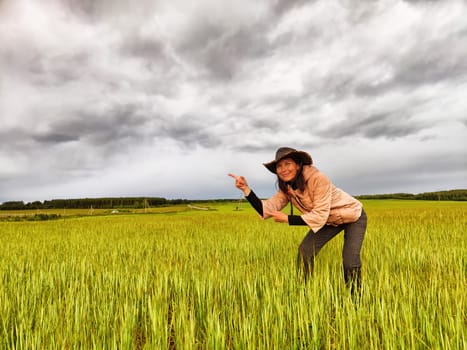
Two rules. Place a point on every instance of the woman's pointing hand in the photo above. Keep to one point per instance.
(241, 183)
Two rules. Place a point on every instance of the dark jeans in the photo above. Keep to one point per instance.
(353, 240)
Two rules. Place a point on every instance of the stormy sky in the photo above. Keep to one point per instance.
(165, 97)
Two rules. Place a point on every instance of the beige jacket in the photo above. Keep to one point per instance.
(321, 203)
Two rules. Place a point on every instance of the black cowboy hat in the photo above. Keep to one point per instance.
(299, 157)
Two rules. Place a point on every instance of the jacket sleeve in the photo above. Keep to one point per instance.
(255, 202)
(320, 189)
(275, 203)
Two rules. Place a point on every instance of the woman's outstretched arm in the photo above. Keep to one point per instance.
(242, 184)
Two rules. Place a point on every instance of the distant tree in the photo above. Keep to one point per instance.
(13, 205)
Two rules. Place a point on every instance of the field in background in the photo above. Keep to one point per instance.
(66, 213)
(183, 278)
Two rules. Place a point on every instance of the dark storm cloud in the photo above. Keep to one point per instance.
(119, 126)
(254, 147)
(225, 55)
(434, 62)
(264, 124)
(188, 131)
(54, 138)
(57, 70)
(124, 126)
(282, 6)
(87, 8)
(269, 146)
(220, 52)
(422, 1)
(426, 62)
(338, 85)
(390, 125)
(43, 68)
(145, 47)
(93, 10)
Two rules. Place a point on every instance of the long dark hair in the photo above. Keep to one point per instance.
(297, 183)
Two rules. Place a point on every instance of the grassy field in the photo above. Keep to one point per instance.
(223, 279)
(10, 215)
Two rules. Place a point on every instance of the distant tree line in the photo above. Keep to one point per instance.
(145, 202)
(96, 203)
(451, 195)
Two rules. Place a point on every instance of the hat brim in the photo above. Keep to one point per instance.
(298, 156)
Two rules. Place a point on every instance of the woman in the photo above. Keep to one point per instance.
(325, 209)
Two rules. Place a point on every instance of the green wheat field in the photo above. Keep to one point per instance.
(179, 278)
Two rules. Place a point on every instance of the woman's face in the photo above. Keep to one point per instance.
(287, 169)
